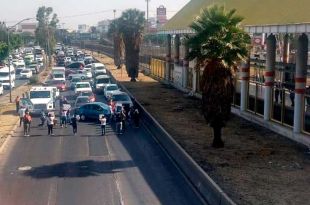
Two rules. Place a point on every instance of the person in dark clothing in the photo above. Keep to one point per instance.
(136, 117)
(74, 124)
(119, 126)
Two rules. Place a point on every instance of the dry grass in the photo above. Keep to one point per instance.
(256, 166)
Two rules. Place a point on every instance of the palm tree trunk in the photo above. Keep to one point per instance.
(217, 137)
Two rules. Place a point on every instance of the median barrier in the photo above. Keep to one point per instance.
(200, 180)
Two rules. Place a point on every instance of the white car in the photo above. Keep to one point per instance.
(101, 81)
(59, 76)
(82, 87)
(98, 68)
(110, 89)
(87, 72)
(26, 73)
(1, 89)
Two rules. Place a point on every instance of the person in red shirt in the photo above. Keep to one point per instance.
(27, 123)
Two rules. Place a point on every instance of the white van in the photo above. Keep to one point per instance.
(98, 68)
(42, 98)
(58, 73)
(1, 89)
(5, 77)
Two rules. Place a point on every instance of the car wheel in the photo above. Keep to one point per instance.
(82, 118)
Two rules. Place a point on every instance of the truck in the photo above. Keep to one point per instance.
(43, 98)
(5, 74)
(58, 73)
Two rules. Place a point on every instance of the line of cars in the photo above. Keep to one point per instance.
(24, 63)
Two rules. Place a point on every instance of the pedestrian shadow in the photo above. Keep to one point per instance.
(9, 112)
(85, 168)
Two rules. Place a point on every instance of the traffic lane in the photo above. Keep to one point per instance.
(60, 169)
(18, 83)
(152, 178)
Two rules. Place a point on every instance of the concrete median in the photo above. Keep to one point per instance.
(200, 180)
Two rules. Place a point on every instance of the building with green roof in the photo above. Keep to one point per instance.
(260, 16)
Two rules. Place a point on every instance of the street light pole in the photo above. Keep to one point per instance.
(147, 14)
(9, 62)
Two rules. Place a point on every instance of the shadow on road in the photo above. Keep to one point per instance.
(78, 169)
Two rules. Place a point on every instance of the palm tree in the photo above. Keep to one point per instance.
(218, 45)
(118, 42)
(131, 25)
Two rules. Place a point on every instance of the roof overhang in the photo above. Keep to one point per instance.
(173, 32)
(288, 28)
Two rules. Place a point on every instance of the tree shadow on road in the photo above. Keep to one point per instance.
(78, 169)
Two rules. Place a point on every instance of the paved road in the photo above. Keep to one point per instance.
(130, 169)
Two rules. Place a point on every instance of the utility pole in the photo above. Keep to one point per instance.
(114, 11)
(147, 14)
(9, 62)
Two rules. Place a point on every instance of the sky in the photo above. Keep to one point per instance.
(74, 12)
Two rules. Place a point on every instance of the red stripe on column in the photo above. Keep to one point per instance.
(269, 73)
(300, 80)
(300, 91)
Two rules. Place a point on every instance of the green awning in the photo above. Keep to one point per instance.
(255, 12)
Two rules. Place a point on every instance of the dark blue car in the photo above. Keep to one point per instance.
(92, 111)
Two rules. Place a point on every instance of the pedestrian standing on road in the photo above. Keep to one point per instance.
(17, 102)
(50, 124)
(42, 118)
(118, 120)
(27, 122)
(136, 117)
(21, 112)
(74, 124)
(63, 118)
(123, 118)
(61, 102)
(103, 123)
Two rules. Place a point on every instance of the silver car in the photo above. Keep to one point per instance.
(81, 100)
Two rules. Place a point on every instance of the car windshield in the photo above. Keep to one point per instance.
(84, 85)
(25, 71)
(100, 68)
(4, 74)
(120, 98)
(103, 80)
(82, 100)
(20, 66)
(58, 75)
(112, 87)
(40, 94)
(76, 80)
(87, 94)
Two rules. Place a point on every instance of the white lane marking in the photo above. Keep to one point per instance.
(24, 168)
(115, 175)
(52, 195)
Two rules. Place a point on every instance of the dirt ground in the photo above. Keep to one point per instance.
(256, 166)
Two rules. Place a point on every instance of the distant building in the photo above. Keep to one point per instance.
(161, 16)
(27, 27)
(103, 26)
(83, 28)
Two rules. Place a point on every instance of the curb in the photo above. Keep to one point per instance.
(9, 135)
(198, 178)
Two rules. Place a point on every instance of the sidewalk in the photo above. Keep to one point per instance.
(256, 166)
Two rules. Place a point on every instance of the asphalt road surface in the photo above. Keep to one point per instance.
(87, 169)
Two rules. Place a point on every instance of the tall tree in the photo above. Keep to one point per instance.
(45, 32)
(218, 45)
(118, 42)
(131, 26)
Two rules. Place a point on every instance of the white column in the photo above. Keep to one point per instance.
(244, 78)
(300, 80)
(269, 75)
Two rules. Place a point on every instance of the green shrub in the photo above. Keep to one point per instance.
(33, 80)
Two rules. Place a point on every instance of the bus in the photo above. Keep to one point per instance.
(5, 77)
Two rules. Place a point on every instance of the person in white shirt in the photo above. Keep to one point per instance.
(103, 123)
(21, 113)
(50, 124)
